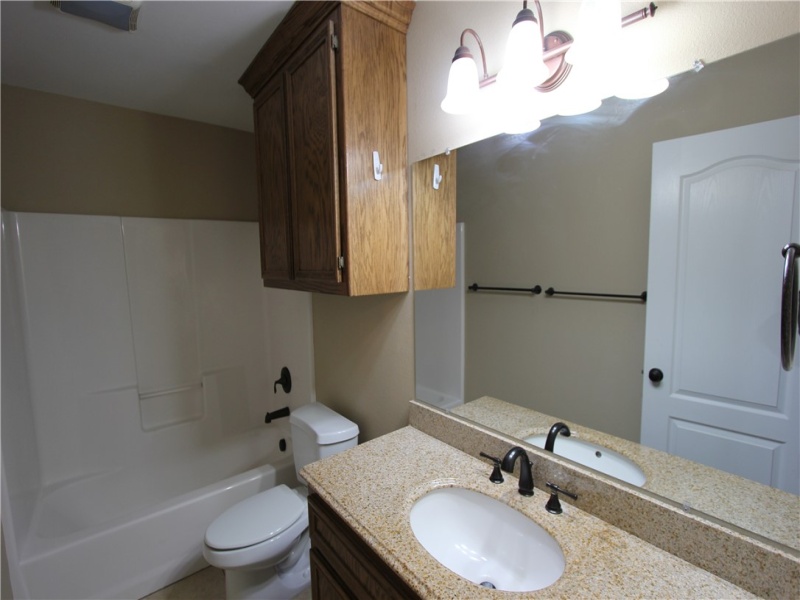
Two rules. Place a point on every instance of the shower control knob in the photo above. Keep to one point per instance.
(655, 375)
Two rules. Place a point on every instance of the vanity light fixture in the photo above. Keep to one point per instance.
(536, 64)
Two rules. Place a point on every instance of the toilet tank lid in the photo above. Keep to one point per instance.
(327, 426)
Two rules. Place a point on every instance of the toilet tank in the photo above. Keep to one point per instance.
(317, 432)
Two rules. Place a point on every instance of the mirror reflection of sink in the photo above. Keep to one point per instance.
(486, 541)
(595, 456)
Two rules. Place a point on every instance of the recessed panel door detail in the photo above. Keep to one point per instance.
(724, 205)
(314, 151)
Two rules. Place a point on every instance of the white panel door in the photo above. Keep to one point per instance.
(723, 206)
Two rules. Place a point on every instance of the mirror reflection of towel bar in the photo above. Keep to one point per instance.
(551, 292)
(537, 289)
(642, 296)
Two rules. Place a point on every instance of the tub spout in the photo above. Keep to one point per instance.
(276, 414)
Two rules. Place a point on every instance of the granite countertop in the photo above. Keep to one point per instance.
(373, 487)
(692, 484)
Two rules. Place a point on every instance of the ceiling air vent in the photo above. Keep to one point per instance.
(120, 14)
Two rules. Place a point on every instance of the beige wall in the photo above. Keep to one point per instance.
(364, 359)
(569, 206)
(363, 347)
(65, 155)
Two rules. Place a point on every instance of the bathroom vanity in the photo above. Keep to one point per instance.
(694, 486)
(361, 534)
(343, 565)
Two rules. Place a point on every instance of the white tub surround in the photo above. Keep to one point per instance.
(136, 375)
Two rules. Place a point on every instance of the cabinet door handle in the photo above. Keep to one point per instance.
(377, 167)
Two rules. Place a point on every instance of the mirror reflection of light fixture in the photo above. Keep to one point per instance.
(535, 64)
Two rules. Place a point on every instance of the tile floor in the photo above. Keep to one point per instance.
(208, 584)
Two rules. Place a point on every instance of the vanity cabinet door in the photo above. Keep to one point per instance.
(324, 583)
(273, 183)
(342, 563)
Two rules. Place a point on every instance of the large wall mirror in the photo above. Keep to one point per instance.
(568, 206)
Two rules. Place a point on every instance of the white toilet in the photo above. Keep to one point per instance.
(262, 542)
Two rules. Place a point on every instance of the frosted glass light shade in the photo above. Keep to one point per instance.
(580, 94)
(522, 112)
(462, 85)
(523, 67)
(579, 105)
(521, 123)
(597, 36)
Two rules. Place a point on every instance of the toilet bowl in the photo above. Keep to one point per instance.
(262, 542)
(259, 533)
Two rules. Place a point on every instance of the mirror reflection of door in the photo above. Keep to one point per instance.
(724, 204)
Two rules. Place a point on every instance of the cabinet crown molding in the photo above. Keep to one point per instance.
(303, 18)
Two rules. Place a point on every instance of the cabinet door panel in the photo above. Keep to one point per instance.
(373, 109)
(434, 223)
(273, 182)
(313, 151)
(324, 583)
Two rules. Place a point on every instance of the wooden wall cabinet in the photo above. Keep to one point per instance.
(434, 221)
(343, 565)
(329, 90)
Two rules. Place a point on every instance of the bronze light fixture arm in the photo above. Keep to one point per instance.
(480, 47)
(634, 17)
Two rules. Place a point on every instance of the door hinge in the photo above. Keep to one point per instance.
(341, 263)
(335, 41)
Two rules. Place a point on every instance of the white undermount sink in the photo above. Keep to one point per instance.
(595, 456)
(486, 541)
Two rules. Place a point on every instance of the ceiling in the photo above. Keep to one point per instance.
(184, 60)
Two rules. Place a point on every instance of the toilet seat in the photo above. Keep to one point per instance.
(257, 532)
(255, 519)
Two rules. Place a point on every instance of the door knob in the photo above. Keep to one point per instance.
(655, 375)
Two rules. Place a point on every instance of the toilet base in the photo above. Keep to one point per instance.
(271, 583)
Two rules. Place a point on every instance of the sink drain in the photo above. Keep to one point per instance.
(488, 584)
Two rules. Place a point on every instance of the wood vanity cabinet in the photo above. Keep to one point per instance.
(343, 566)
(329, 90)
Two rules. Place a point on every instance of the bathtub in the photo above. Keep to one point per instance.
(124, 534)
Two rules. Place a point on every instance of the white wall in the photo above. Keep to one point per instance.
(127, 339)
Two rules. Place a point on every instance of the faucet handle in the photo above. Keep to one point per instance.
(554, 504)
(496, 476)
